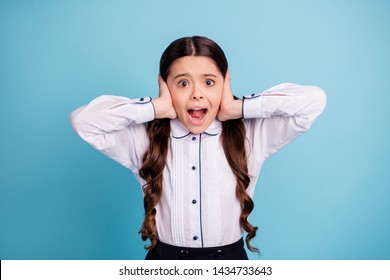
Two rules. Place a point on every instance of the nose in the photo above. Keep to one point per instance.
(197, 94)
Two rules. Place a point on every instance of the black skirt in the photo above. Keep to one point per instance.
(163, 251)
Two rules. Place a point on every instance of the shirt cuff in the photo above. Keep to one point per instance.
(250, 106)
(145, 109)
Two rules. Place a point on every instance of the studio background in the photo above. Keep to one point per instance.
(324, 196)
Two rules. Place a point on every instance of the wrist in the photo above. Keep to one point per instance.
(236, 109)
(158, 107)
(231, 111)
(163, 108)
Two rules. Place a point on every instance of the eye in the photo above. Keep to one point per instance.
(183, 83)
(209, 82)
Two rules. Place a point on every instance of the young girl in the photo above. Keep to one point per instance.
(196, 150)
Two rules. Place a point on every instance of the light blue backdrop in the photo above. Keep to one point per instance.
(325, 196)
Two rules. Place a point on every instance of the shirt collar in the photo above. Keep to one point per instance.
(178, 130)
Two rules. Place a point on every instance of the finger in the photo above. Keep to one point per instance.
(163, 87)
(160, 81)
(227, 75)
(227, 89)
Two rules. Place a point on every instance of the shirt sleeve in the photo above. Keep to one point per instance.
(278, 115)
(116, 126)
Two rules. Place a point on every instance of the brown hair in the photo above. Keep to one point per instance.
(233, 142)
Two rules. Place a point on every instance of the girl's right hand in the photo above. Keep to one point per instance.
(163, 104)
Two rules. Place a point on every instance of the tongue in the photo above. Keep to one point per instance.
(196, 113)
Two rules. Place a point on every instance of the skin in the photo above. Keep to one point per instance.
(195, 83)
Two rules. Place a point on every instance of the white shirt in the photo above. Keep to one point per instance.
(199, 207)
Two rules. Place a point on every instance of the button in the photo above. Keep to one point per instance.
(193, 138)
(193, 168)
(219, 255)
(194, 201)
(141, 99)
(195, 237)
(184, 255)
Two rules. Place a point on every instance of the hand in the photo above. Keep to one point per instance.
(163, 104)
(229, 108)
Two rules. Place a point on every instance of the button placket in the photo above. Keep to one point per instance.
(193, 179)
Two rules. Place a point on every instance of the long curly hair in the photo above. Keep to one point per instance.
(233, 142)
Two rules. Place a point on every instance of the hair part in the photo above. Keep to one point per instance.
(233, 142)
(192, 46)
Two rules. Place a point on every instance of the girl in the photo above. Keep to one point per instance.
(196, 149)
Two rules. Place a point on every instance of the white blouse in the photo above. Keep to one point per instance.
(199, 207)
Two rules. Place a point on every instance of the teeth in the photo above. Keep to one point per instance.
(197, 109)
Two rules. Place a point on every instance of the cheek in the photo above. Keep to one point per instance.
(178, 101)
(175, 94)
(216, 97)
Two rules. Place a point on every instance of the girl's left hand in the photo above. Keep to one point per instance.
(230, 108)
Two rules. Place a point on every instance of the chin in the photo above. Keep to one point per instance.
(197, 130)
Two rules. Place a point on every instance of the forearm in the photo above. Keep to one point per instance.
(304, 103)
(108, 113)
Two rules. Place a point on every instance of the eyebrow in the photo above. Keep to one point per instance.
(187, 74)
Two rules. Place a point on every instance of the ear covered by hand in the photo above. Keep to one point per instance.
(230, 108)
(163, 104)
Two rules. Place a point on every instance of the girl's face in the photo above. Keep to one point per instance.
(196, 85)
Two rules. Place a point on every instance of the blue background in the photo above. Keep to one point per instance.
(325, 196)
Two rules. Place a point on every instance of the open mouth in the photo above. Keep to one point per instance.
(197, 114)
